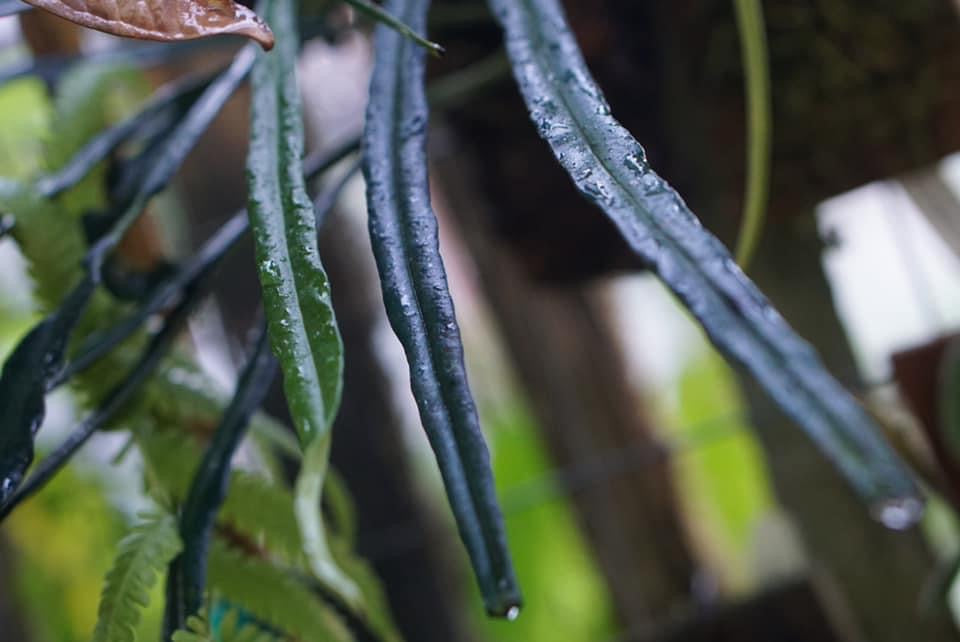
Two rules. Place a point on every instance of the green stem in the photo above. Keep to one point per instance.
(753, 41)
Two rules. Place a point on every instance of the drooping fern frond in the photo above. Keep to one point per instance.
(404, 235)
(141, 557)
(256, 507)
(273, 595)
(264, 511)
(230, 630)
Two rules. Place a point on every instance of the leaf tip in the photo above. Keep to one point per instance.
(899, 513)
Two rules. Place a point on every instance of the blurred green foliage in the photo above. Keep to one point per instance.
(26, 120)
(63, 541)
(722, 481)
(720, 475)
(565, 598)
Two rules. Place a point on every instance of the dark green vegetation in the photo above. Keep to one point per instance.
(311, 585)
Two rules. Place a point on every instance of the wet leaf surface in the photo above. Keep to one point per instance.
(162, 19)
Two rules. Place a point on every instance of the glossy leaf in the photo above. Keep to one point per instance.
(169, 103)
(382, 15)
(172, 152)
(113, 402)
(296, 292)
(27, 375)
(210, 482)
(162, 19)
(404, 235)
(610, 168)
(186, 278)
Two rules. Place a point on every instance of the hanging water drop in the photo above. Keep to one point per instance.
(899, 513)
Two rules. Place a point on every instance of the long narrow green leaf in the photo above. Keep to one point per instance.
(112, 403)
(169, 103)
(173, 152)
(296, 291)
(188, 277)
(753, 39)
(26, 376)
(610, 168)
(403, 231)
(385, 17)
(24, 408)
(209, 487)
(303, 330)
(197, 266)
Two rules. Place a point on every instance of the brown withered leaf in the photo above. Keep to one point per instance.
(162, 19)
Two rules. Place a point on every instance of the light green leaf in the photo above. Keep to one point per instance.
(141, 557)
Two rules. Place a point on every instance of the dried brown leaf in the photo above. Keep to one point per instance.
(162, 19)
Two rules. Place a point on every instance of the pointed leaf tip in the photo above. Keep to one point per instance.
(167, 20)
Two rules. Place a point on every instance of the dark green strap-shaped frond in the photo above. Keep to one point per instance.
(26, 376)
(24, 407)
(381, 15)
(169, 103)
(296, 291)
(211, 480)
(610, 168)
(403, 231)
(112, 403)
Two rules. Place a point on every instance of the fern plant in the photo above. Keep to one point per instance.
(142, 557)
(243, 539)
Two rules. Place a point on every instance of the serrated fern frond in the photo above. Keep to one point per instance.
(273, 595)
(142, 556)
(264, 511)
(255, 506)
